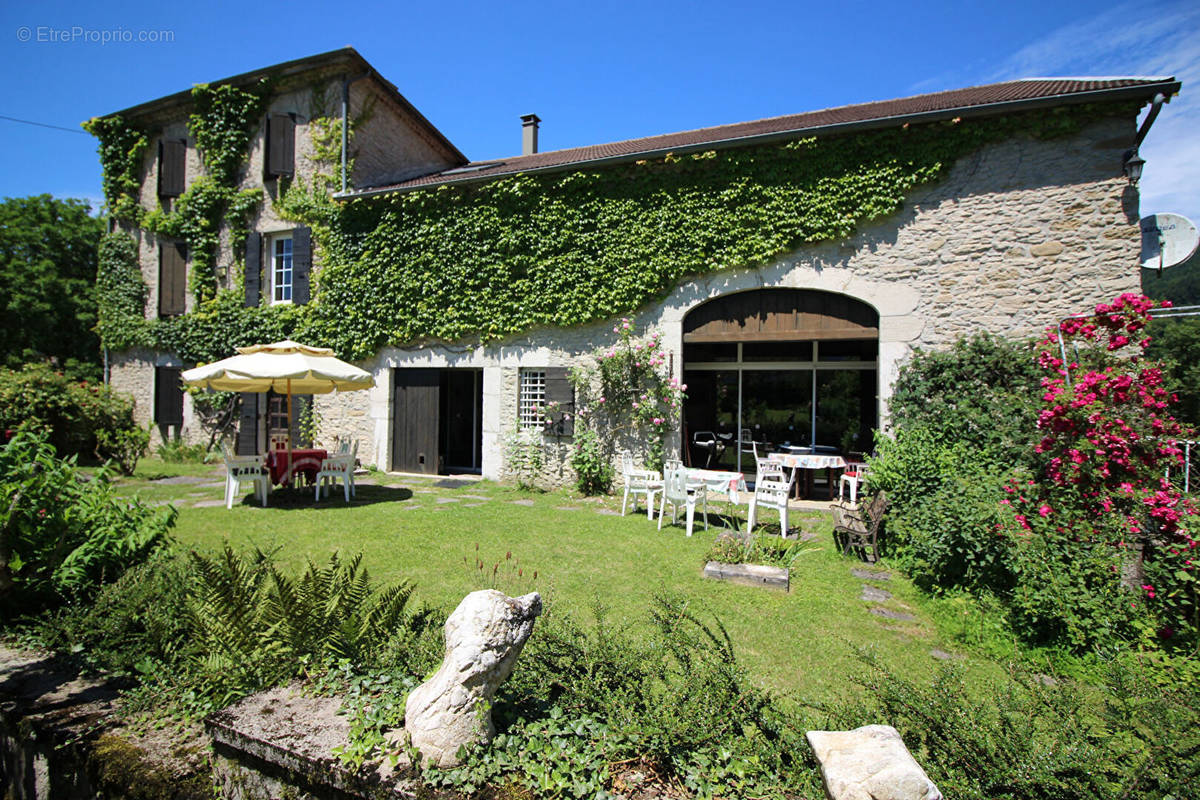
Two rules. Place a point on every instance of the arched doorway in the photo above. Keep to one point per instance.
(775, 367)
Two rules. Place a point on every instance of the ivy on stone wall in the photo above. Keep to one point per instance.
(495, 259)
(490, 260)
(121, 150)
(121, 295)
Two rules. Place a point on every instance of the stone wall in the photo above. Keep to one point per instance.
(1018, 235)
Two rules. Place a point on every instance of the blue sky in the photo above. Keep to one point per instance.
(594, 72)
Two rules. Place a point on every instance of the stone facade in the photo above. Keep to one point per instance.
(389, 143)
(1017, 236)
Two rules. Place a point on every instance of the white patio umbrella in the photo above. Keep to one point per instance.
(282, 367)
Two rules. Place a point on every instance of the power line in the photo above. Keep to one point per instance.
(44, 125)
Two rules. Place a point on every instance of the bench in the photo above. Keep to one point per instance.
(858, 528)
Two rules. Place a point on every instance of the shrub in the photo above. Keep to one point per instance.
(980, 392)
(589, 459)
(80, 418)
(63, 535)
(761, 548)
(176, 451)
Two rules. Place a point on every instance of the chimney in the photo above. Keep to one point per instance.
(529, 132)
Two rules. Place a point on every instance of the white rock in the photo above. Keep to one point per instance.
(484, 636)
(870, 763)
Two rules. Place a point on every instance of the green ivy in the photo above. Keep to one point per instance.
(121, 294)
(121, 150)
(495, 259)
(490, 260)
(223, 120)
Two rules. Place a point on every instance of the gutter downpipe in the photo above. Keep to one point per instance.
(346, 81)
(1155, 106)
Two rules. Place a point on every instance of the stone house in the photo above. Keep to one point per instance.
(1010, 235)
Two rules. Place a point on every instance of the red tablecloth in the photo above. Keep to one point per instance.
(306, 462)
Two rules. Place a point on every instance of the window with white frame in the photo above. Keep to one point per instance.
(281, 268)
(532, 398)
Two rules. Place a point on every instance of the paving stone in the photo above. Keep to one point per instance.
(208, 504)
(871, 574)
(412, 508)
(887, 613)
(942, 655)
(566, 508)
(474, 497)
(523, 503)
(444, 500)
(197, 494)
(178, 480)
(473, 505)
(453, 484)
(873, 594)
(1046, 680)
(608, 512)
(217, 485)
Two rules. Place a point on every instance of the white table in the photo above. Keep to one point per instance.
(716, 480)
(809, 461)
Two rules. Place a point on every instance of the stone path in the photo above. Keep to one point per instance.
(566, 508)
(474, 497)
(453, 484)
(444, 500)
(179, 480)
(208, 504)
(942, 655)
(871, 574)
(523, 503)
(872, 594)
(887, 613)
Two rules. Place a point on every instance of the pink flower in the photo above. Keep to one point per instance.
(1044, 510)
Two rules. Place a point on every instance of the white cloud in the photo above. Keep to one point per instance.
(1136, 39)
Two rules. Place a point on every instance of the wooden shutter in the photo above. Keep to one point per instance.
(281, 145)
(301, 264)
(172, 167)
(559, 390)
(247, 435)
(253, 282)
(172, 279)
(168, 396)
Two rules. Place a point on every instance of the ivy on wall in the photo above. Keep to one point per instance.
(121, 150)
(499, 258)
(495, 259)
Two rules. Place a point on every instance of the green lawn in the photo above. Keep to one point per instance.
(576, 551)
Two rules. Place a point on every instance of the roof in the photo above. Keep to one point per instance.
(347, 58)
(987, 100)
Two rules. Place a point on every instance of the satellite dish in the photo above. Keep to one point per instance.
(1167, 240)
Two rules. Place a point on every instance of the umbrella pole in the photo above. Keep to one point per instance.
(291, 473)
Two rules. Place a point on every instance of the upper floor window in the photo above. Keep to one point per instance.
(282, 274)
(172, 279)
(172, 167)
(281, 146)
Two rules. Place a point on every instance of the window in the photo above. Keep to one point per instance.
(281, 269)
(172, 167)
(172, 279)
(281, 145)
(168, 396)
(532, 398)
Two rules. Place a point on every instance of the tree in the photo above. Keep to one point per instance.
(47, 271)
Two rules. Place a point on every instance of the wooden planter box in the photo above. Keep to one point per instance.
(750, 574)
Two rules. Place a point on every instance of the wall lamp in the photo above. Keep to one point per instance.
(1133, 166)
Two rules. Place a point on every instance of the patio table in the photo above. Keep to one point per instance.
(305, 461)
(719, 481)
(810, 461)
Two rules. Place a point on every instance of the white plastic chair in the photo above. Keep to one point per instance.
(245, 469)
(771, 491)
(677, 492)
(639, 481)
(852, 476)
(335, 468)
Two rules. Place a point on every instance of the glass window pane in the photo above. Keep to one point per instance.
(710, 351)
(846, 409)
(776, 410)
(777, 351)
(710, 410)
(848, 350)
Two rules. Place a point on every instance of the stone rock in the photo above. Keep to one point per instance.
(484, 636)
(870, 763)
(874, 594)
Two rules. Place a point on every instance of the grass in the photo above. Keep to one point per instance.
(578, 552)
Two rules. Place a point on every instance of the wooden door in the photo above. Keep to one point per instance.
(415, 401)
